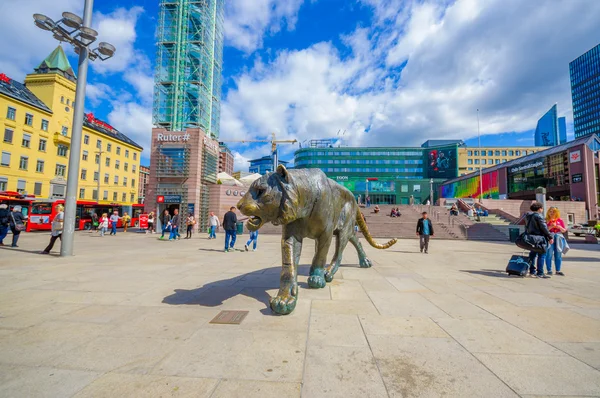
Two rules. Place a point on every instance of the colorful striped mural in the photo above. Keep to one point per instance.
(469, 187)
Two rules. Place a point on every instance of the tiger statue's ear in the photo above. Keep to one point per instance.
(283, 173)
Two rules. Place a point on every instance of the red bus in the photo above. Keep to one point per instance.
(13, 199)
(43, 212)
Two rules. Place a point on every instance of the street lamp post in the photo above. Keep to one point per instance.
(480, 168)
(76, 31)
(430, 194)
(99, 153)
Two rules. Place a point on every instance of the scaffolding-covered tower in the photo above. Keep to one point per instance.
(187, 90)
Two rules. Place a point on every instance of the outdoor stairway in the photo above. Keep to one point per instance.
(486, 232)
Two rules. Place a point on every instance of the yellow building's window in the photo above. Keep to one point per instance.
(81, 193)
(124, 181)
(108, 147)
(107, 162)
(83, 174)
(117, 164)
(116, 180)
(23, 163)
(44, 125)
(5, 159)
(11, 113)
(126, 153)
(135, 156)
(123, 197)
(118, 150)
(42, 145)
(106, 178)
(26, 142)
(3, 183)
(8, 136)
(29, 119)
(125, 166)
(62, 150)
(39, 167)
(84, 155)
(86, 139)
(60, 170)
(105, 195)
(114, 196)
(62, 100)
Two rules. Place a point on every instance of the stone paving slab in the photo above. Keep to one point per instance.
(128, 316)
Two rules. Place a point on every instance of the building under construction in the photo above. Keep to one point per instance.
(187, 91)
(186, 111)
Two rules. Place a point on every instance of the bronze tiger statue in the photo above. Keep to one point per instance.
(308, 205)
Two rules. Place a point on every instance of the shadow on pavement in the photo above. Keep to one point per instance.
(488, 272)
(254, 285)
(16, 249)
(580, 259)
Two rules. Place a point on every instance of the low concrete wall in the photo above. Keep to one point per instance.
(516, 208)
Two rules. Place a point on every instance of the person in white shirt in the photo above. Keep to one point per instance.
(214, 223)
(114, 219)
(57, 228)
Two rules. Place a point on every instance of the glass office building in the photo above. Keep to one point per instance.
(388, 175)
(585, 91)
(263, 165)
(550, 130)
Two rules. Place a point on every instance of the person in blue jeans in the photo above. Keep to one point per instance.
(214, 223)
(536, 225)
(3, 222)
(114, 219)
(229, 225)
(253, 238)
(556, 226)
(175, 225)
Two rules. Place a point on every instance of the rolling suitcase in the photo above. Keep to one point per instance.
(518, 265)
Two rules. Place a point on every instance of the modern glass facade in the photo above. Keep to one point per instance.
(389, 175)
(263, 165)
(187, 91)
(585, 91)
(546, 131)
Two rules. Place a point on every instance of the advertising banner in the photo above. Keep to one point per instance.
(144, 221)
(442, 163)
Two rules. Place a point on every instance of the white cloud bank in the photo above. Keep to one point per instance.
(509, 59)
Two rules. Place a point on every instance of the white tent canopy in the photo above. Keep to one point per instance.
(226, 179)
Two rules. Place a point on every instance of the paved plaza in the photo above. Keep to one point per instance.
(129, 317)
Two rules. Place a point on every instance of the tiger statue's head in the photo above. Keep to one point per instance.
(272, 198)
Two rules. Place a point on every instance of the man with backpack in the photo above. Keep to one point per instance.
(536, 225)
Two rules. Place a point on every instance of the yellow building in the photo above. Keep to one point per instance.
(471, 159)
(35, 123)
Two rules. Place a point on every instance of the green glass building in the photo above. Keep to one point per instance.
(389, 175)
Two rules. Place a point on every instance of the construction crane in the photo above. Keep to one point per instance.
(274, 141)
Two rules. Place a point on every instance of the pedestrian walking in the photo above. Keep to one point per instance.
(114, 219)
(229, 225)
(95, 222)
(190, 221)
(57, 228)
(4, 222)
(536, 225)
(253, 238)
(17, 224)
(126, 219)
(424, 232)
(214, 223)
(103, 224)
(556, 226)
(368, 201)
(165, 222)
(150, 222)
(175, 222)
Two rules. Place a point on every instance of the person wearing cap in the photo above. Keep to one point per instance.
(3, 222)
(57, 228)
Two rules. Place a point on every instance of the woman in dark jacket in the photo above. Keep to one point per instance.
(16, 218)
(536, 225)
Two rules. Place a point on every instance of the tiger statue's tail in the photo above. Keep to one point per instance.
(363, 228)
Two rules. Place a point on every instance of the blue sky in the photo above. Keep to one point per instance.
(388, 72)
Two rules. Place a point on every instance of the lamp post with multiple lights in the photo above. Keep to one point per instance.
(76, 31)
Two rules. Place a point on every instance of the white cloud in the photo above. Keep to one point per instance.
(247, 21)
(507, 58)
(133, 120)
(24, 46)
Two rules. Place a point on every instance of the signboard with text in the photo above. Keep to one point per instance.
(576, 178)
(168, 199)
(144, 221)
